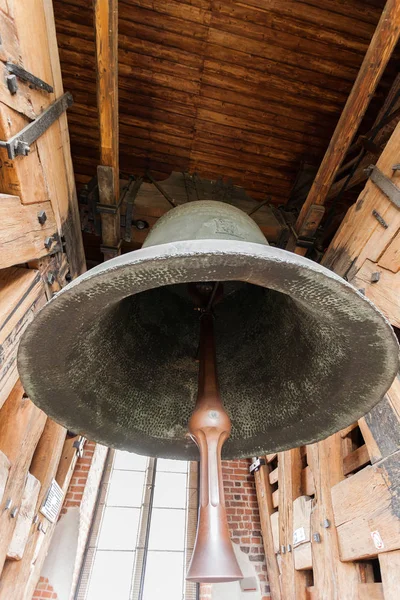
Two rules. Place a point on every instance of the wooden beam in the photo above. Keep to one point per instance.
(389, 563)
(21, 425)
(266, 509)
(392, 105)
(25, 516)
(366, 513)
(378, 54)
(44, 540)
(333, 580)
(18, 577)
(302, 507)
(293, 583)
(355, 460)
(21, 295)
(46, 174)
(4, 472)
(22, 236)
(362, 242)
(370, 591)
(106, 33)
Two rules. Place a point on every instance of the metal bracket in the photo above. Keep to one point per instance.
(35, 82)
(385, 184)
(79, 445)
(19, 144)
(167, 196)
(302, 241)
(108, 209)
(255, 466)
(129, 197)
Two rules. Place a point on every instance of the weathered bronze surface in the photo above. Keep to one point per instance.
(300, 352)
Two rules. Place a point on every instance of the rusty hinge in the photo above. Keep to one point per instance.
(18, 72)
(19, 144)
(385, 184)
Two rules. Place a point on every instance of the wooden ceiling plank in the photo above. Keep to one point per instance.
(379, 52)
(279, 22)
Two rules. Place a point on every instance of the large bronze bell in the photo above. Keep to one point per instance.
(126, 355)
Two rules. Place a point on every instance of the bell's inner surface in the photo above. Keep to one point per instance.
(136, 367)
(300, 353)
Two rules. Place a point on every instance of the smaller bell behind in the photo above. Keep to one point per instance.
(300, 352)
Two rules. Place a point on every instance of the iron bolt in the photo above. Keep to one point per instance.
(380, 219)
(362, 291)
(375, 277)
(317, 538)
(50, 278)
(12, 84)
(139, 224)
(42, 217)
(14, 512)
(7, 505)
(22, 148)
(326, 523)
(396, 167)
(289, 548)
(283, 549)
(47, 243)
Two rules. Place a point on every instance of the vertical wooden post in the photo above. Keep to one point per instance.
(293, 583)
(266, 508)
(106, 32)
(333, 579)
(378, 54)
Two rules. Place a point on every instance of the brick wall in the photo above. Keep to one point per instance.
(44, 590)
(79, 478)
(243, 519)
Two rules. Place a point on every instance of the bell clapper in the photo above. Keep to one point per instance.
(213, 557)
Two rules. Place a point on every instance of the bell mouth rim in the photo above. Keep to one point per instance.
(254, 262)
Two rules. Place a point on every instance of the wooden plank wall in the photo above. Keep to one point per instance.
(330, 511)
(40, 250)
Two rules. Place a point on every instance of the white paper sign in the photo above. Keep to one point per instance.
(378, 541)
(299, 535)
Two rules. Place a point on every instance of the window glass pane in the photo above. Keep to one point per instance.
(111, 576)
(119, 528)
(129, 461)
(164, 576)
(172, 466)
(170, 490)
(167, 530)
(126, 488)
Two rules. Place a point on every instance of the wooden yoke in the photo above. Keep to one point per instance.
(210, 426)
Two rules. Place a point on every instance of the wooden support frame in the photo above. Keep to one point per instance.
(44, 466)
(379, 52)
(293, 582)
(106, 33)
(337, 580)
(264, 497)
(21, 425)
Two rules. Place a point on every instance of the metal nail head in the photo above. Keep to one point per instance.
(42, 217)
